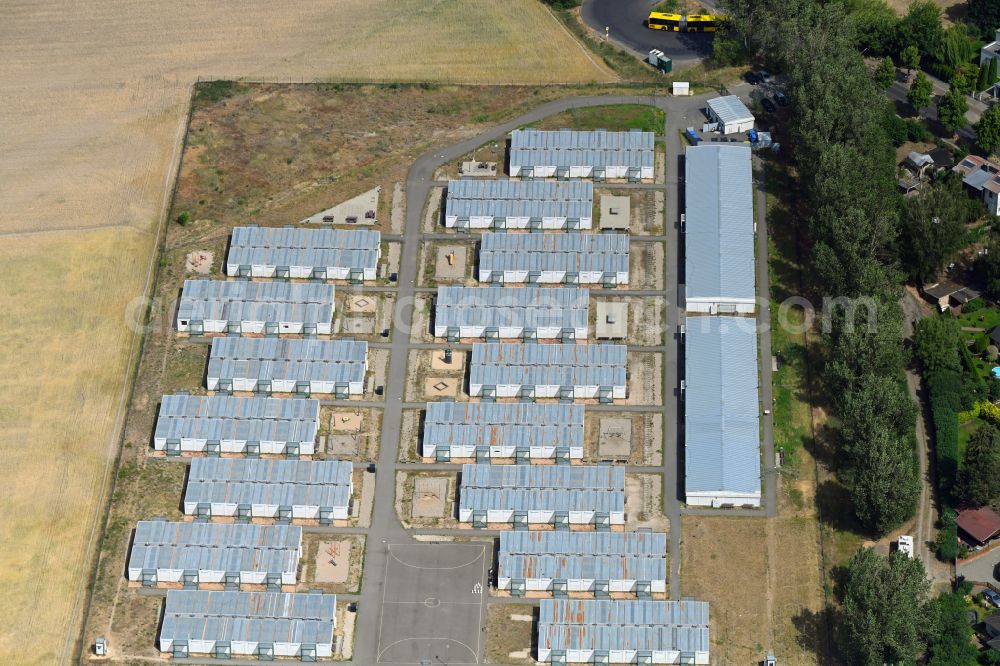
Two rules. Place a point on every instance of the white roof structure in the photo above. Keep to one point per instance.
(568, 148)
(583, 555)
(222, 417)
(542, 488)
(606, 254)
(167, 546)
(722, 412)
(666, 631)
(538, 364)
(503, 424)
(337, 361)
(730, 109)
(465, 310)
(241, 301)
(249, 623)
(518, 198)
(719, 229)
(293, 247)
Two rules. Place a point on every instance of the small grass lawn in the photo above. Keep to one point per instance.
(985, 318)
(965, 432)
(615, 117)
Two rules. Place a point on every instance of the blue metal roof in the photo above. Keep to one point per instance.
(530, 307)
(228, 417)
(566, 148)
(722, 409)
(719, 234)
(497, 424)
(607, 253)
(256, 301)
(519, 198)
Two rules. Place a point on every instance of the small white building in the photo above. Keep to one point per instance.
(303, 367)
(495, 313)
(265, 625)
(570, 259)
(597, 154)
(256, 308)
(563, 496)
(283, 490)
(731, 113)
(483, 431)
(292, 252)
(598, 563)
(990, 52)
(519, 204)
(535, 371)
(223, 424)
(231, 554)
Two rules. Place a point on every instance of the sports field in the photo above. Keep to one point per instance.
(95, 94)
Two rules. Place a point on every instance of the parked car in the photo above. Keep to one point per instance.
(992, 597)
(752, 78)
(768, 105)
(781, 98)
(765, 76)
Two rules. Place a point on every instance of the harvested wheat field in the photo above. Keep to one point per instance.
(94, 105)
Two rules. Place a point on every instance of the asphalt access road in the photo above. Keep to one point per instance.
(625, 17)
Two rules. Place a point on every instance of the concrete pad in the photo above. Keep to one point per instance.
(478, 169)
(457, 361)
(615, 440)
(430, 496)
(612, 320)
(454, 270)
(360, 210)
(358, 325)
(333, 561)
(615, 212)
(432, 604)
(441, 387)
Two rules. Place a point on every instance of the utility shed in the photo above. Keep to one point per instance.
(486, 430)
(616, 213)
(597, 154)
(600, 563)
(292, 252)
(495, 313)
(719, 230)
(240, 307)
(303, 367)
(554, 258)
(231, 554)
(596, 631)
(612, 320)
(217, 424)
(518, 204)
(285, 490)
(557, 495)
(731, 113)
(529, 371)
(248, 624)
(722, 412)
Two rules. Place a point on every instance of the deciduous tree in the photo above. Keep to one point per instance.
(952, 109)
(979, 475)
(988, 129)
(919, 94)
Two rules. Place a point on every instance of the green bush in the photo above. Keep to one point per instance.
(975, 305)
(183, 218)
(946, 543)
(982, 342)
(917, 131)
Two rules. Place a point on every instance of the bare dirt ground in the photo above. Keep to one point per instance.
(431, 262)
(510, 633)
(409, 439)
(645, 317)
(424, 382)
(647, 437)
(646, 209)
(644, 503)
(95, 94)
(350, 433)
(763, 580)
(423, 313)
(646, 270)
(420, 501)
(333, 564)
(645, 378)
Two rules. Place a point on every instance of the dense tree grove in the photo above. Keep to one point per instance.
(932, 228)
(884, 608)
(847, 168)
(979, 476)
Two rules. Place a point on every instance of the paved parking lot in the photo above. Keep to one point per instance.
(432, 604)
(981, 569)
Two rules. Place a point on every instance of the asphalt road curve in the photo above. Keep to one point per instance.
(625, 17)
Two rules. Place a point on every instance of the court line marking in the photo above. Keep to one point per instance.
(430, 638)
(482, 553)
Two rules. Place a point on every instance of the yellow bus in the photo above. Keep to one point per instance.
(681, 23)
(661, 21)
(702, 22)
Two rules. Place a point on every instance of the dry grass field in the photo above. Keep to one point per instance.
(94, 102)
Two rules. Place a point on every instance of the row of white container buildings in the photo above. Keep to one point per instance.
(601, 259)
(303, 367)
(282, 490)
(496, 313)
(517, 204)
(264, 625)
(562, 496)
(296, 253)
(596, 154)
(255, 308)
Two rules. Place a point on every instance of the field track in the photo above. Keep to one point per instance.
(95, 94)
